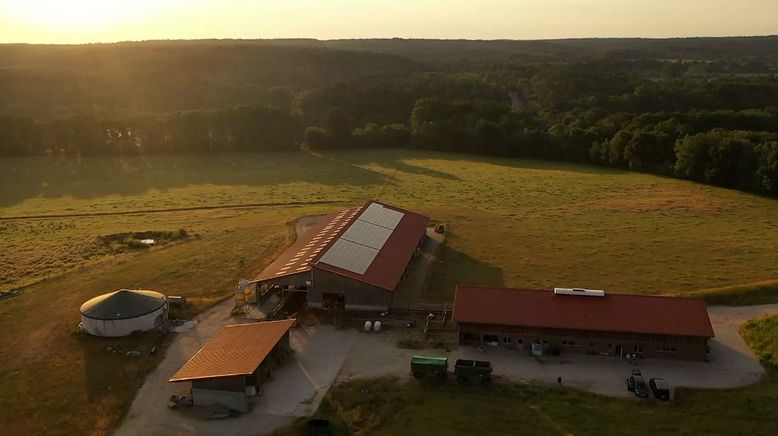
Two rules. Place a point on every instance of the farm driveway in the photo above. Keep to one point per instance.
(324, 354)
(732, 362)
(410, 289)
(295, 390)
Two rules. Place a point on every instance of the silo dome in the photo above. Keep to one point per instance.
(123, 312)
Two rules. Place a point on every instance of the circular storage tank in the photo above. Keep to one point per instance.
(123, 312)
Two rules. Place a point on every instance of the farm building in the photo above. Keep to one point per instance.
(229, 369)
(575, 320)
(123, 312)
(352, 260)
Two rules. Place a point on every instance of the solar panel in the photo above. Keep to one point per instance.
(349, 256)
(365, 233)
(381, 216)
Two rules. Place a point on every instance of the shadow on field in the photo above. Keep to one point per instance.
(451, 268)
(532, 164)
(93, 177)
(393, 160)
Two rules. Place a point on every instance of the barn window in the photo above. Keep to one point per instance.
(490, 339)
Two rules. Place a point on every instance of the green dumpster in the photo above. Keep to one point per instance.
(422, 366)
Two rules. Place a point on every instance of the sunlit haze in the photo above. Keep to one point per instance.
(80, 21)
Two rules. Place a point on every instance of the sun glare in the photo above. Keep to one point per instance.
(77, 14)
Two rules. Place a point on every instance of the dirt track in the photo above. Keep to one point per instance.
(176, 209)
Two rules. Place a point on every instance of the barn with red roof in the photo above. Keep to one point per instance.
(586, 321)
(352, 260)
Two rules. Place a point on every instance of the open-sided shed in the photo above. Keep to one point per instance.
(233, 364)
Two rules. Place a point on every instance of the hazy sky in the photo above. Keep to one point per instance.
(76, 21)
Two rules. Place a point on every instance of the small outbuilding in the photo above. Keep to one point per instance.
(123, 312)
(229, 369)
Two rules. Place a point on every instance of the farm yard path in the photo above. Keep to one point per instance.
(295, 391)
(409, 291)
(732, 362)
(175, 209)
(324, 355)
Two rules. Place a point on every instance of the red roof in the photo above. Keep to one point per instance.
(387, 268)
(297, 258)
(235, 350)
(614, 312)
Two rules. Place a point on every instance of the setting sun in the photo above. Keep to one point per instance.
(79, 14)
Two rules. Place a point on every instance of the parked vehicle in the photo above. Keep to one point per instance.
(467, 369)
(637, 385)
(422, 366)
(660, 388)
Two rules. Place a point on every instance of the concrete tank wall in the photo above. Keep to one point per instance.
(124, 327)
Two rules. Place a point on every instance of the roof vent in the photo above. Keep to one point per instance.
(579, 291)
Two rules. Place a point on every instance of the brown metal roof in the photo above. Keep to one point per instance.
(235, 350)
(297, 258)
(387, 268)
(614, 312)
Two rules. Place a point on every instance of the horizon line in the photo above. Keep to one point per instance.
(382, 38)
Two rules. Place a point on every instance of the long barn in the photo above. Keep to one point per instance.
(593, 322)
(353, 260)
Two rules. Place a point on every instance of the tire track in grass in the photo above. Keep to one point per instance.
(175, 209)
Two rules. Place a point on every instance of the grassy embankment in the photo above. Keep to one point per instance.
(389, 407)
(515, 223)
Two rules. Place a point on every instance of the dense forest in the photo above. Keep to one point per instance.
(705, 109)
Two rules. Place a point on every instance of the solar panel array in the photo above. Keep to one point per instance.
(350, 256)
(368, 234)
(358, 246)
(381, 216)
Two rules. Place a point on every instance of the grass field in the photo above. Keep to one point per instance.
(53, 381)
(516, 223)
(391, 407)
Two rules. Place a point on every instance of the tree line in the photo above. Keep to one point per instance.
(712, 120)
(245, 128)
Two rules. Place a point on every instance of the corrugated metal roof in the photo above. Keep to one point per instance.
(235, 350)
(386, 269)
(614, 312)
(297, 258)
(122, 304)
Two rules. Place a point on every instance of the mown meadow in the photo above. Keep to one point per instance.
(510, 222)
